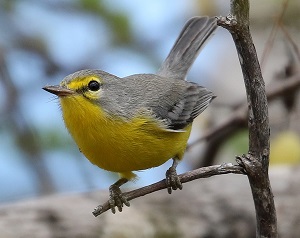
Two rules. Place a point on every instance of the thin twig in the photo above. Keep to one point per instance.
(288, 36)
(204, 172)
(272, 36)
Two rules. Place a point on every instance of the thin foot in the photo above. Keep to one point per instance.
(116, 198)
(172, 179)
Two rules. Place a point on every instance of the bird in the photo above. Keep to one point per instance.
(140, 121)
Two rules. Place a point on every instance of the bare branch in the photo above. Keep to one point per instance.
(204, 172)
(271, 38)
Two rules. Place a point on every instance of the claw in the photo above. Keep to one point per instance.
(172, 179)
(116, 198)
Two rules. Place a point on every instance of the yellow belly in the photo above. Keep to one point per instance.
(117, 145)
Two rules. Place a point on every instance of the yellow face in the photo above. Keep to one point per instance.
(89, 86)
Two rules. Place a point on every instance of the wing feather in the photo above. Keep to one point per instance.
(194, 101)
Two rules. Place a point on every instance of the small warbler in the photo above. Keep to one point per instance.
(140, 121)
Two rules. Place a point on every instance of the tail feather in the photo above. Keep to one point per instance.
(187, 47)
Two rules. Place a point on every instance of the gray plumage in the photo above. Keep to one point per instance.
(165, 96)
(187, 47)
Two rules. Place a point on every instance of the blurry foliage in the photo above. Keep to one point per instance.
(236, 144)
(52, 139)
(285, 148)
(29, 139)
(33, 140)
(7, 5)
(117, 21)
(239, 142)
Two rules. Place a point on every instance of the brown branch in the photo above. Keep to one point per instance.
(283, 88)
(237, 117)
(204, 172)
(256, 162)
(218, 135)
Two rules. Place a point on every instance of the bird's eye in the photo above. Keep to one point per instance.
(94, 85)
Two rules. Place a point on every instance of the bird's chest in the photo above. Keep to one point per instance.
(96, 135)
(119, 145)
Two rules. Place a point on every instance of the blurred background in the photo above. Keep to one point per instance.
(42, 41)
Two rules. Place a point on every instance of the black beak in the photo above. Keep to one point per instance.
(58, 90)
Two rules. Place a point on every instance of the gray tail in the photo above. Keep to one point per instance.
(187, 47)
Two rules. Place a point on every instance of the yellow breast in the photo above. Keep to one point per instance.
(118, 145)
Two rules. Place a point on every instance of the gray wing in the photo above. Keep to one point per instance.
(175, 102)
(193, 102)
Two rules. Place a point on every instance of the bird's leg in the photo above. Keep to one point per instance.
(172, 179)
(116, 198)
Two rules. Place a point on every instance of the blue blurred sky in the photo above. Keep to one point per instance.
(72, 39)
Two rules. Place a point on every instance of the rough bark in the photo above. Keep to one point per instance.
(256, 161)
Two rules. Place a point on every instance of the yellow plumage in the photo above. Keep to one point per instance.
(117, 145)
